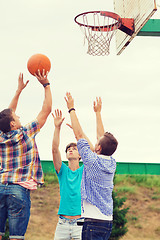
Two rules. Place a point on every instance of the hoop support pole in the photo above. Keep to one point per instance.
(127, 25)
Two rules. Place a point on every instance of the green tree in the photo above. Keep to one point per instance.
(119, 228)
(119, 218)
(6, 236)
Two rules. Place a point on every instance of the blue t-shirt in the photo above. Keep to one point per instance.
(70, 190)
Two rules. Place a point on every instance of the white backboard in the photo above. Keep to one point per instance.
(140, 10)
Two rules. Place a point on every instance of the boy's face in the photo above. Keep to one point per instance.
(15, 124)
(72, 153)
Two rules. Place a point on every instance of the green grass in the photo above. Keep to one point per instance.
(158, 231)
(126, 189)
(50, 178)
(156, 196)
(148, 181)
(133, 218)
(154, 208)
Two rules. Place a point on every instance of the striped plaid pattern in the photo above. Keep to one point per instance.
(97, 178)
(19, 158)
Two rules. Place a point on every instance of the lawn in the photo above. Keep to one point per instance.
(143, 200)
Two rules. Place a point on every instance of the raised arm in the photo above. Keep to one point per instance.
(21, 86)
(78, 132)
(97, 106)
(47, 103)
(58, 120)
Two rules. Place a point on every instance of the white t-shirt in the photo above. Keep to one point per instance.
(91, 211)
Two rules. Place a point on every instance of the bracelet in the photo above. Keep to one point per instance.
(46, 84)
(71, 110)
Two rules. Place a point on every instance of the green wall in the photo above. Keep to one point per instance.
(122, 168)
(151, 28)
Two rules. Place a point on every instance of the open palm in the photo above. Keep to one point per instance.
(58, 119)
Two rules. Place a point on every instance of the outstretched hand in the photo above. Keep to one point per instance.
(58, 119)
(69, 100)
(97, 105)
(21, 84)
(42, 78)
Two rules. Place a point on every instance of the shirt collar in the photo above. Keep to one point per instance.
(104, 157)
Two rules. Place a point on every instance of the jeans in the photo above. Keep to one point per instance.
(96, 230)
(14, 205)
(67, 229)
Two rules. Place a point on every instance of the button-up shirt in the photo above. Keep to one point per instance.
(97, 178)
(19, 158)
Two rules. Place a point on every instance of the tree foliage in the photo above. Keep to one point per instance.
(119, 228)
(119, 218)
(6, 236)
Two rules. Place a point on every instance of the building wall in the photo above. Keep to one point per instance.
(122, 167)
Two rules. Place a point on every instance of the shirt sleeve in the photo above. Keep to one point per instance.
(91, 159)
(88, 157)
(62, 169)
(32, 128)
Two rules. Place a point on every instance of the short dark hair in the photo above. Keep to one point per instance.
(108, 144)
(5, 119)
(70, 145)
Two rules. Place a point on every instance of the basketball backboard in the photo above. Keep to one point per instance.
(140, 10)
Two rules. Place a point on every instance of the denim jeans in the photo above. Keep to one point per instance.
(68, 229)
(14, 205)
(99, 230)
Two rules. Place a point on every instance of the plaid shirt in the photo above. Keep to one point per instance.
(19, 158)
(97, 178)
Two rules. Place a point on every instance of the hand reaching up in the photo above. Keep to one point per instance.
(58, 119)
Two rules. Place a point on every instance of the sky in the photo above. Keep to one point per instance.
(128, 84)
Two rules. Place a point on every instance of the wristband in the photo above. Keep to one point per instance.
(71, 109)
(46, 84)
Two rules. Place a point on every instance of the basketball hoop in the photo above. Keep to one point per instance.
(99, 27)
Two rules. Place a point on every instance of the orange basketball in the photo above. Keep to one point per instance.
(38, 61)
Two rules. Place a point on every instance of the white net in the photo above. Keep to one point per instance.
(98, 30)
